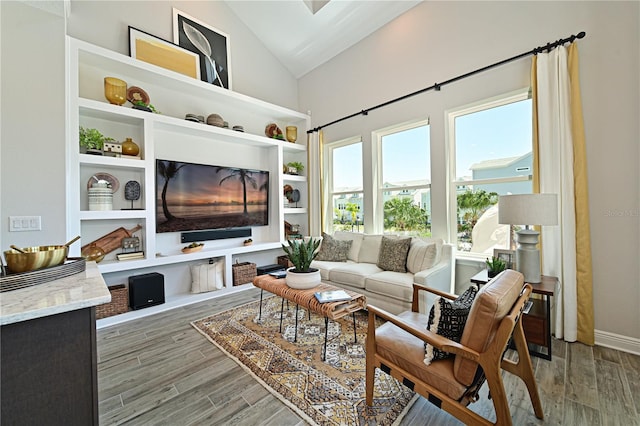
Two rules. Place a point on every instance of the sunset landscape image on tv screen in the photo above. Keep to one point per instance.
(197, 196)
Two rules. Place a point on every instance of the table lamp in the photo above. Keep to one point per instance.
(528, 210)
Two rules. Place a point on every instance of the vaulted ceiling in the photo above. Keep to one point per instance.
(304, 34)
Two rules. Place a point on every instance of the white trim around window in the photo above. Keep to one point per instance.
(378, 192)
(450, 137)
(328, 184)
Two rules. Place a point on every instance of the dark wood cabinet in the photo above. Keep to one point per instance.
(48, 372)
(536, 322)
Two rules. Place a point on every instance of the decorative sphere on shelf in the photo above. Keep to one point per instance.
(129, 147)
(93, 253)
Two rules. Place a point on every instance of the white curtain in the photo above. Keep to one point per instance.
(556, 176)
(315, 182)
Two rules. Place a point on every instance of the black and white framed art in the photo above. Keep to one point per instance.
(211, 44)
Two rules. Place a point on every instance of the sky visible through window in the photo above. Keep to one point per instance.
(499, 132)
(406, 156)
(347, 166)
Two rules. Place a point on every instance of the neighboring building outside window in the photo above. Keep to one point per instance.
(490, 146)
(344, 182)
(404, 185)
(489, 150)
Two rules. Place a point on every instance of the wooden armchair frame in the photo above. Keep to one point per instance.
(491, 361)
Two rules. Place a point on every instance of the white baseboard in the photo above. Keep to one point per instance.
(171, 303)
(617, 341)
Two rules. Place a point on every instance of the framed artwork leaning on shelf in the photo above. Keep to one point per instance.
(151, 49)
(509, 257)
(209, 43)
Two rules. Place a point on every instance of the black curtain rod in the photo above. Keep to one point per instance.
(437, 86)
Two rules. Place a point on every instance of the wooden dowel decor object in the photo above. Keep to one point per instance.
(113, 240)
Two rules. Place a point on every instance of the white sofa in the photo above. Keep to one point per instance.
(430, 262)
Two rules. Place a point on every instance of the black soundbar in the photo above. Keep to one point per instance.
(214, 234)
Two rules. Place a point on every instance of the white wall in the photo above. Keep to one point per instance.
(32, 168)
(436, 41)
(255, 72)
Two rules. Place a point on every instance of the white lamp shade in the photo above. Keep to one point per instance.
(528, 209)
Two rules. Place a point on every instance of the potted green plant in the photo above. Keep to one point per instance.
(495, 266)
(301, 253)
(92, 141)
(295, 168)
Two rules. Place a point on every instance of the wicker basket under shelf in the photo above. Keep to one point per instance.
(119, 302)
(284, 261)
(244, 272)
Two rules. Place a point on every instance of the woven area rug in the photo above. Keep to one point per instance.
(323, 393)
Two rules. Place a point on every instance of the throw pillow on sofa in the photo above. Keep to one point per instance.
(333, 250)
(393, 254)
(355, 246)
(369, 248)
(422, 255)
(448, 318)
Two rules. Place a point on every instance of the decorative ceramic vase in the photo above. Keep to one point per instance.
(100, 196)
(215, 120)
(115, 90)
(303, 280)
(129, 147)
(292, 133)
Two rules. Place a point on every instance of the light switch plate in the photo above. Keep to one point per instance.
(25, 223)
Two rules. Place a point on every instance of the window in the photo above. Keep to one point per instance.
(491, 155)
(344, 183)
(404, 186)
(488, 153)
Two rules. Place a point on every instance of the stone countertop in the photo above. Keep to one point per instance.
(77, 291)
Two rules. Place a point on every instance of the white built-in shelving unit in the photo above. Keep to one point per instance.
(169, 136)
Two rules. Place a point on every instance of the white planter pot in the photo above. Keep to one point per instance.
(303, 280)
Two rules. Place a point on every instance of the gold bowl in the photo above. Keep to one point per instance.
(192, 249)
(34, 258)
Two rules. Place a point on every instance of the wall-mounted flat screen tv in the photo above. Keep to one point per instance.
(192, 197)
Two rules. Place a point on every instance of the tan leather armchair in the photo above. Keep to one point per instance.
(397, 348)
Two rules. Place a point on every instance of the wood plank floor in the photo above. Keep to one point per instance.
(159, 371)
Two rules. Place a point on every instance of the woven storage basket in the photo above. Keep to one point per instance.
(119, 302)
(243, 272)
(284, 261)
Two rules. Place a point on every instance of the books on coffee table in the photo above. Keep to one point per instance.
(278, 274)
(332, 296)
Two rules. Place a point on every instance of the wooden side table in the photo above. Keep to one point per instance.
(537, 320)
